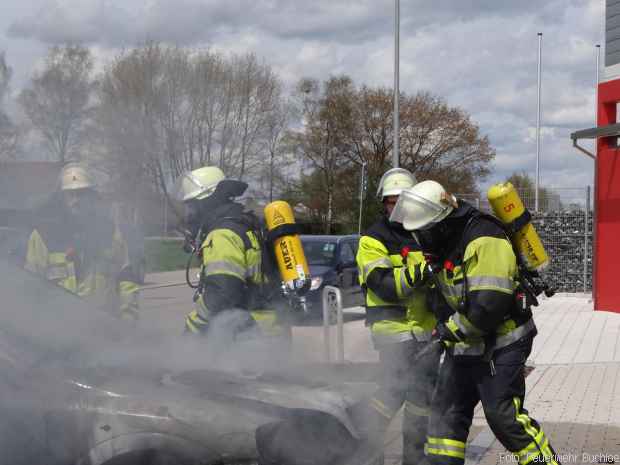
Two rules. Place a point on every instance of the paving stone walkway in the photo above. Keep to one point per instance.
(573, 390)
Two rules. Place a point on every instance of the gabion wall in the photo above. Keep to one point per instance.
(564, 235)
(561, 224)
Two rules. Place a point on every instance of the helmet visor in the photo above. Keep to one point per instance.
(416, 212)
(188, 187)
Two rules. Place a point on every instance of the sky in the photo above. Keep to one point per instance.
(480, 55)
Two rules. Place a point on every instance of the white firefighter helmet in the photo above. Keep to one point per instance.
(422, 206)
(74, 177)
(202, 183)
(198, 184)
(394, 181)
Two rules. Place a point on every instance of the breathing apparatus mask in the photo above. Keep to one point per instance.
(440, 238)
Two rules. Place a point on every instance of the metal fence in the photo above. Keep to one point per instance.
(565, 224)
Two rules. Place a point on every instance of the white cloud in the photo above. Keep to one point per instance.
(481, 56)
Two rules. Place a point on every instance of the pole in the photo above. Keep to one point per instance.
(585, 242)
(271, 177)
(359, 222)
(339, 330)
(396, 145)
(536, 204)
(594, 212)
(598, 80)
(165, 216)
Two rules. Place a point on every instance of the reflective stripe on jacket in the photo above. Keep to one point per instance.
(232, 277)
(481, 291)
(100, 279)
(395, 311)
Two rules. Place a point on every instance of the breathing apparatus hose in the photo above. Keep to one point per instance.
(191, 246)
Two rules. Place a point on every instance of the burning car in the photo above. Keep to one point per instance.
(80, 387)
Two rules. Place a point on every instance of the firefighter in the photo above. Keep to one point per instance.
(399, 320)
(76, 247)
(489, 335)
(233, 279)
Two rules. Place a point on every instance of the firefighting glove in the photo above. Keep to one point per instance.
(418, 274)
(437, 304)
(448, 333)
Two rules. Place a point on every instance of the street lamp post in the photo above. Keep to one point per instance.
(396, 144)
(536, 195)
(362, 185)
(598, 80)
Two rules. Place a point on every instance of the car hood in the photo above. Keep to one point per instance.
(317, 388)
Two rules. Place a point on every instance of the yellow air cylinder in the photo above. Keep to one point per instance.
(507, 206)
(287, 246)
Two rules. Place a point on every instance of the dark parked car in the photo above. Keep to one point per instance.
(78, 387)
(332, 263)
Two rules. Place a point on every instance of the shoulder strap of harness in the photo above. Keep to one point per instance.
(249, 222)
(516, 312)
(240, 225)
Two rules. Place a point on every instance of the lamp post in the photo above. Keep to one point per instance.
(362, 189)
(536, 195)
(396, 144)
(598, 80)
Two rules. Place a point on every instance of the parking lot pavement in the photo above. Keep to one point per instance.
(166, 299)
(571, 332)
(308, 341)
(573, 390)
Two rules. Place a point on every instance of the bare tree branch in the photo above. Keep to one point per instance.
(57, 102)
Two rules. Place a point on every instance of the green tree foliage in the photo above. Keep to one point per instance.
(525, 185)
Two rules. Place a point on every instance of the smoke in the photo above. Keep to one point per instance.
(55, 342)
(51, 324)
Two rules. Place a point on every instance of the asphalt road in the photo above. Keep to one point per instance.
(166, 299)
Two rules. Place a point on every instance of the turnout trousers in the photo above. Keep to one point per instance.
(462, 384)
(408, 383)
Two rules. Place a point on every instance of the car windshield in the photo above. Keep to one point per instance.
(319, 252)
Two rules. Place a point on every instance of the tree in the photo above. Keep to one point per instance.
(442, 143)
(272, 174)
(165, 110)
(136, 119)
(57, 101)
(344, 126)
(9, 133)
(524, 184)
(327, 113)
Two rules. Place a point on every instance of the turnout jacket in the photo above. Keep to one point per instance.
(232, 274)
(479, 284)
(395, 311)
(89, 261)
